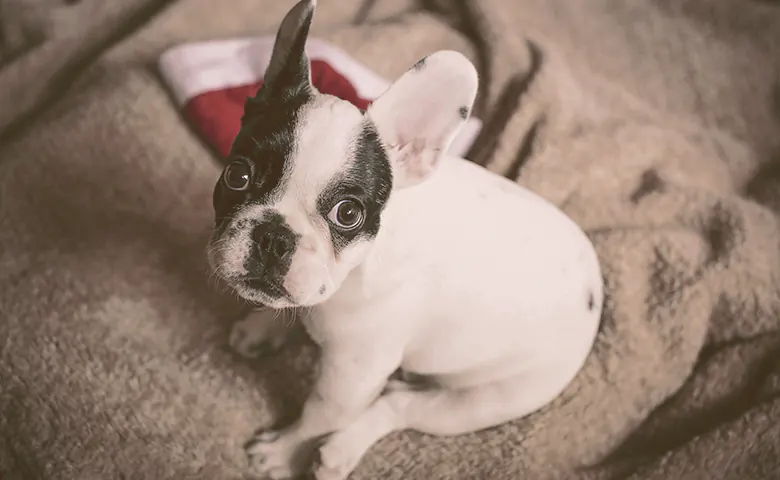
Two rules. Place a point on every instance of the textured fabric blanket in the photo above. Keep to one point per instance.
(654, 124)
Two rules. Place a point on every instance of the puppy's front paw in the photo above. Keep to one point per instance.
(277, 456)
(260, 333)
(336, 459)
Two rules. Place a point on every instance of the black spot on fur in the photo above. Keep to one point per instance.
(419, 65)
(368, 180)
(591, 301)
(322, 289)
(463, 112)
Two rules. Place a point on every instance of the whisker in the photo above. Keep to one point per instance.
(257, 144)
(291, 316)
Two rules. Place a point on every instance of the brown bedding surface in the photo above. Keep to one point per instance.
(654, 124)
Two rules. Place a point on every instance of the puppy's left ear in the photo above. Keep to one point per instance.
(420, 114)
(288, 70)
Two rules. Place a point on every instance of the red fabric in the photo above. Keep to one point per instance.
(217, 115)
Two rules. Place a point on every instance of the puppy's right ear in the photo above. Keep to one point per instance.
(288, 71)
(419, 115)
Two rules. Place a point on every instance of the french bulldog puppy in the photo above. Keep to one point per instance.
(396, 257)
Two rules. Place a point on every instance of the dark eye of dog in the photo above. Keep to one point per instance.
(236, 176)
(347, 214)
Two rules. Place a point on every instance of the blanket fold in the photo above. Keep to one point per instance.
(651, 124)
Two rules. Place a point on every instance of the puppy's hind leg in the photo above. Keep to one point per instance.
(437, 411)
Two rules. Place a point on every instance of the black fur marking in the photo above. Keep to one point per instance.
(419, 65)
(463, 112)
(322, 289)
(266, 142)
(267, 134)
(369, 179)
(275, 244)
(591, 301)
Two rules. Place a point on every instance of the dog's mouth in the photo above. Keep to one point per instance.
(271, 289)
(264, 291)
(259, 290)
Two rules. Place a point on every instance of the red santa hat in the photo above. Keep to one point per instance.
(211, 81)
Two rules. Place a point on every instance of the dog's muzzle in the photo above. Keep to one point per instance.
(269, 260)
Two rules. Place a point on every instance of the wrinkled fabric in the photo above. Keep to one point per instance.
(654, 125)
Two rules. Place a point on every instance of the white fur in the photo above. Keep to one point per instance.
(474, 282)
(314, 263)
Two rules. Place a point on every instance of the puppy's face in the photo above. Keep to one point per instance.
(299, 204)
(300, 201)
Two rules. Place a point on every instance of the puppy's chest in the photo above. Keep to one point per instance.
(316, 327)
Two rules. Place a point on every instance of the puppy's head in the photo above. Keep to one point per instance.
(301, 199)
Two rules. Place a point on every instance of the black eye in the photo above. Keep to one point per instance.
(347, 214)
(236, 175)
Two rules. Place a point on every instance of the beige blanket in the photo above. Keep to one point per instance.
(654, 124)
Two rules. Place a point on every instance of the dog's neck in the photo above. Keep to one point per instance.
(403, 245)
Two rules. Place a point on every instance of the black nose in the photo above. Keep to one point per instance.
(275, 243)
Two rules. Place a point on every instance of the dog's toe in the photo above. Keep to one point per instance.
(333, 464)
(277, 455)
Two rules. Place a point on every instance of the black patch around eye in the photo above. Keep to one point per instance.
(266, 141)
(463, 112)
(369, 179)
(226, 203)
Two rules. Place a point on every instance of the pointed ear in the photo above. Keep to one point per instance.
(420, 114)
(288, 69)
